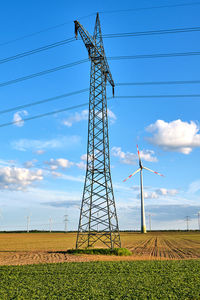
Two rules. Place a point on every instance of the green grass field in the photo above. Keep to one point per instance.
(102, 280)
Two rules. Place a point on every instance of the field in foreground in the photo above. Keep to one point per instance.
(29, 248)
(103, 280)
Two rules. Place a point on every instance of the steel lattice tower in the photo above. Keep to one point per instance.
(98, 217)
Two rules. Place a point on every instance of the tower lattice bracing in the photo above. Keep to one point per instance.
(98, 218)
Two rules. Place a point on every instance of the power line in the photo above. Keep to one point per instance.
(43, 30)
(114, 35)
(92, 14)
(159, 96)
(159, 55)
(143, 56)
(43, 72)
(40, 49)
(86, 89)
(147, 8)
(152, 32)
(43, 101)
(85, 104)
(158, 82)
(45, 114)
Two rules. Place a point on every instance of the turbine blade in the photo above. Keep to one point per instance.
(132, 174)
(138, 155)
(153, 171)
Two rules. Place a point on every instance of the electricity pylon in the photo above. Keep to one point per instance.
(98, 218)
(65, 221)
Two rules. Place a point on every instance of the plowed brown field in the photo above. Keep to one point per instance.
(30, 248)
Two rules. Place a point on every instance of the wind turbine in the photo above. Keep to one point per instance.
(143, 223)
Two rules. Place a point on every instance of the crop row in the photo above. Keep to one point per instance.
(102, 280)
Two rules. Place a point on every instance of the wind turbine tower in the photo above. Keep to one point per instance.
(28, 223)
(149, 222)
(140, 169)
(50, 224)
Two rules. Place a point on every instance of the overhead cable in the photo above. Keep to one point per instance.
(143, 56)
(85, 104)
(147, 8)
(101, 12)
(159, 55)
(158, 82)
(42, 101)
(33, 51)
(43, 72)
(113, 35)
(45, 114)
(152, 32)
(51, 99)
(43, 30)
(159, 96)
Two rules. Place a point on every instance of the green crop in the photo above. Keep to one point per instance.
(102, 280)
(101, 251)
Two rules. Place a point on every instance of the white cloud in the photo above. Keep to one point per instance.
(69, 177)
(131, 158)
(84, 157)
(111, 116)
(35, 145)
(175, 136)
(30, 163)
(76, 117)
(83, 116)
(59, 163)
(159, 193)
(12, 178)
(17, 118)
(39, 152)
(166, 192)
(81, 165)
(194, 187)
(56, 174)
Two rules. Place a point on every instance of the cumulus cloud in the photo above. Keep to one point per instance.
(13, 178)
(59, 163)
(76, 117)
(176, 136)
(35, 145)
(83, 116)
(159, 193)
(30, 163)
(131, 158)
(166, 192)
(17, 118)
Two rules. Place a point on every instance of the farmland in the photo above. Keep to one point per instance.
(102, 280)
(31, 248)
(163, 265)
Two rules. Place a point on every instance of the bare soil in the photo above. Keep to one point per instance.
(36, 248)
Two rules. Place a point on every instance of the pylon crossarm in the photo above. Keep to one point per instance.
(91, 47)
(87, 39)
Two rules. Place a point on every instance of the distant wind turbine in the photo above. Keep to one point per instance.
(143, 223)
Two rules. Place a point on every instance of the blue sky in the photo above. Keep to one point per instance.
(42, 162)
